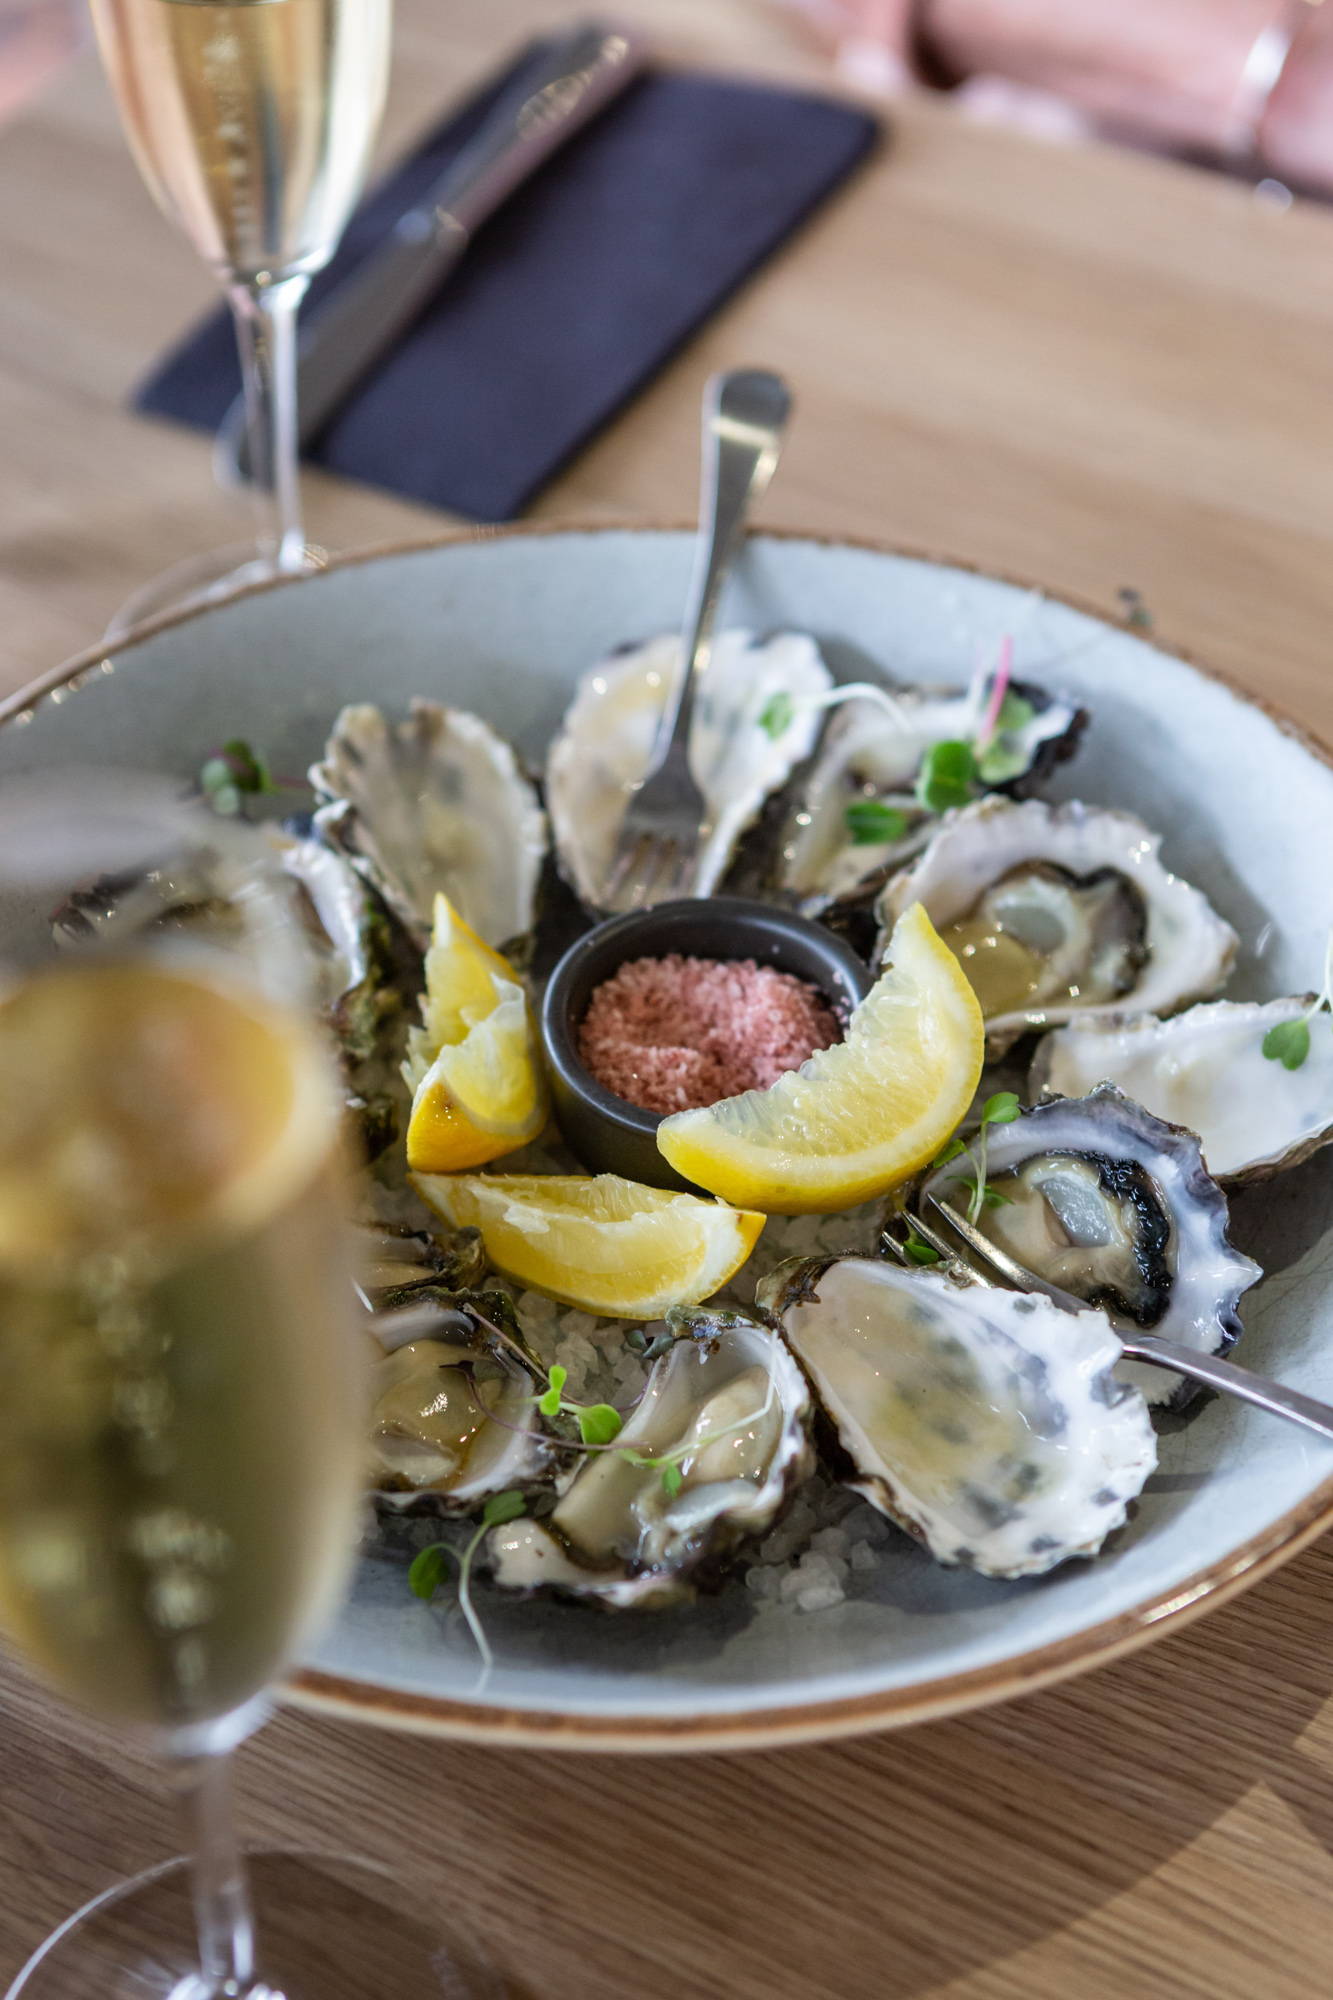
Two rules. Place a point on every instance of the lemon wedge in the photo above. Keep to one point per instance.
(859, 1117)
(473, 1065)
(605, 1244)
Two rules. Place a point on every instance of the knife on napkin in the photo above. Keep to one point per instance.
(569, 80)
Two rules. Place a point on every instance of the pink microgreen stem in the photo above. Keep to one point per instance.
(999, 687)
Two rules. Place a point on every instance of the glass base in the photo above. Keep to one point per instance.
(326, 1927)
(201, 580)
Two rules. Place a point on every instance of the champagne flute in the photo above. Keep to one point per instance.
(182, 1415)
(251, 122)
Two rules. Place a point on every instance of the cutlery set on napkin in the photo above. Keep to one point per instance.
(528, 268)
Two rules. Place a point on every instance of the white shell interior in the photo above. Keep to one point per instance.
(505, 625)
(1205, 1069)
(989, 1419)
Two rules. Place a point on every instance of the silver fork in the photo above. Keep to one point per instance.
(1208, 1369)
(665, 825)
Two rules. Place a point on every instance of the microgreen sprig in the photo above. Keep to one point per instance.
(232, 774)
(918, 1251)
(598, 1423)
(1001, 1109)
(430, 1566)
(1289, 1041)
(874, 823)
(238, 772)
(670, 1463)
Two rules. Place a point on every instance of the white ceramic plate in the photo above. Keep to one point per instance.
(503, 625)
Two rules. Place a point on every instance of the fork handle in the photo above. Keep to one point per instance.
(745, 413)
(1233, 1380)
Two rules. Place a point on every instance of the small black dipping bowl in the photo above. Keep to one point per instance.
(613, 1137)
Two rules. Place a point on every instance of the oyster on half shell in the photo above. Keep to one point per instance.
(1062, 911)
(436, 803)
(1206, 1069)
(454, 1417)
(990, 1425)
(754, 721)
(731, 1407)
(1097, 1196)
(869, 757)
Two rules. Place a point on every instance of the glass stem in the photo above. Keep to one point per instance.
(265, 320)
(222, 1911)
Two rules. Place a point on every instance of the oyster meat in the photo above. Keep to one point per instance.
(728, 1406)
(755, 718)
(436, 803)
(1206, 1069)
(1062, 911)
(988, 1424)
(454, 1416)
(870, 755)
(1097, 1196)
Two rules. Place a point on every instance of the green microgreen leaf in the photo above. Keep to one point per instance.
(918, 1251)
(233, 774)
(249, 770)
(992, 1197)
(871, 823)
(947, 776)
(1002, 1109)
(1288, 1043)
(1006, 756)
(218, 788)
(777, 715)
(949, 1152)
(429, 1570)
(599, 1423)
(1015, 713)
(549, 1402)
(502, 1507)
(672, 1480)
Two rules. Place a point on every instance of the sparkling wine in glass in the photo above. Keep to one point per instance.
(252, 123)
(182, 1407)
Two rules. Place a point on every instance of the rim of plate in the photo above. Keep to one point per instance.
(772, 1725)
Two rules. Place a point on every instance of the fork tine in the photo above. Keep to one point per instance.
(622, 868)
(660, 876)
(998, 1261)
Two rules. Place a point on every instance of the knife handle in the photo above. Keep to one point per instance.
(570, 80)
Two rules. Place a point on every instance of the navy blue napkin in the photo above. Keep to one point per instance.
(571, 298)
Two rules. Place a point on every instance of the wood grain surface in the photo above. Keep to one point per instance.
(1086, 369)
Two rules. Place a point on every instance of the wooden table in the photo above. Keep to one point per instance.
(1081, 368)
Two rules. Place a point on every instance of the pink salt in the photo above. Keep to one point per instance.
(675, 1034)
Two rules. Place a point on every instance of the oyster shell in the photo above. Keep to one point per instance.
(442, 1379)
(347, 935)
(871, 753)
(618, 1537)
(435, 803)
(155, 899)
(602, 748)
(1058, 911)
(394, 1264)
(1206, 1069)
(988, 1424)
(1115, 1206)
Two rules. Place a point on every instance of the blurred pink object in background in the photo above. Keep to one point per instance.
(36, 38)
(1243, 83)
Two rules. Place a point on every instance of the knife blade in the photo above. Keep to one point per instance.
(570, 79)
